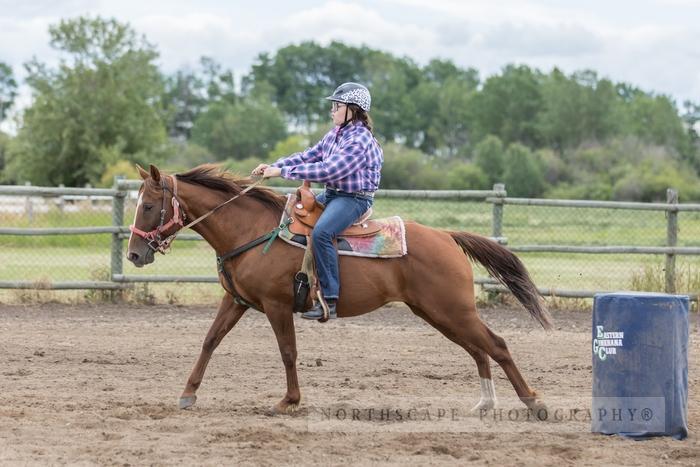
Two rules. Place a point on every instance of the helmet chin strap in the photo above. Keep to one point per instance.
(345, 119)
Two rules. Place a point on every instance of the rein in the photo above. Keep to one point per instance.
(154, 237)
(157, 243)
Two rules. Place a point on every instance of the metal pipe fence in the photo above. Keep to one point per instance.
(573, 248)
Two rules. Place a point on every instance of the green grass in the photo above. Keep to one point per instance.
(80, 263)
(61, 257)
(521, 224)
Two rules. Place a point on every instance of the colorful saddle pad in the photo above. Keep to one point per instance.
(389, 242)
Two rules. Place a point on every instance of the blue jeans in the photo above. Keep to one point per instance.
(342, 210)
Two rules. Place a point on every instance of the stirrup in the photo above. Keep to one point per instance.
(321, 310)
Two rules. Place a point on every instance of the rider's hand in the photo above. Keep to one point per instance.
(272, 172)
(260, 169)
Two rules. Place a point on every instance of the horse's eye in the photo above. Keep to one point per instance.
(147, 207)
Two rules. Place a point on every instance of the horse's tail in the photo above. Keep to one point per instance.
(502, 264)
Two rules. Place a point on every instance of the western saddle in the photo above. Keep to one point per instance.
(306, 212)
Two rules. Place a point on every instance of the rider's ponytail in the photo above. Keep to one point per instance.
(359, 115)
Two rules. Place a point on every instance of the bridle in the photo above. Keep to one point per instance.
(154, 239)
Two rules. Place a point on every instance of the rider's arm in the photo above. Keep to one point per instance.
(310, 155)
(346, 158)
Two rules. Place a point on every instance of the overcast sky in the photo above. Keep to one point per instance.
(654, 44)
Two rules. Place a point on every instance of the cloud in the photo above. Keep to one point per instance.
(355, 24)
(37, 8)
(183, 39)
(495, 12)
(532, 40)
(659, 59)
(654, 49)
(23, 38)
(676, 3)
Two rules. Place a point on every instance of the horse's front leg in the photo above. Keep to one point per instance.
(229, 314)
(282, 322)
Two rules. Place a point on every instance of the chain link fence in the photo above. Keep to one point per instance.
(76, 239)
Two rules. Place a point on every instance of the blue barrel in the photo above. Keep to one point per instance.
(640, 364)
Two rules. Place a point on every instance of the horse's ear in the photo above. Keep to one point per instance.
(155, 173)
(142, 172)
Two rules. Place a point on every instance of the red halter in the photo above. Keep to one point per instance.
(154, 237)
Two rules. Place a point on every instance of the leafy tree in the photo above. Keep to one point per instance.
(558, 122)
(217, 81)
(4, 146)
(101, 105)
(425, 99)
(601, 111)
(655, 119)
(523, 174)
(595, 189)
(464, 176)
(691, 117)
(441, 71)
(409, 169)
(489, 156)
(649, 180)
(188, 93)
(8, 89)
(251, 127)
(390, 81)
(508, 106)
(122, 168)
(289, 145)
(555, 168)
(450, 128)
(184, 155)
(183, 101)
(300, 75)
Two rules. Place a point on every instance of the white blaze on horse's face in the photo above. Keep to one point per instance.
(138, 251)
(139, 202)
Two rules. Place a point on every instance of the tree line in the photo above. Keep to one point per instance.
(108, 105)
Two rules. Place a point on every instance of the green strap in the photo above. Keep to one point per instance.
(221, 259)
(274, 234)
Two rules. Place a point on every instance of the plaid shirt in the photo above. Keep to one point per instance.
(347, 159)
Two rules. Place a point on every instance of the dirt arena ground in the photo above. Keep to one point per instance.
(99, 385)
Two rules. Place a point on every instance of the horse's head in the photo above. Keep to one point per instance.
(157, 217)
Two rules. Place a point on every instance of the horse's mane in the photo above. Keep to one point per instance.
(215, 177)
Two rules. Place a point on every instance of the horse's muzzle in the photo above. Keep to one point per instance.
(140, 260)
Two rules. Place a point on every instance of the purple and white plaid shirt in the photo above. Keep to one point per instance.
(347, 159)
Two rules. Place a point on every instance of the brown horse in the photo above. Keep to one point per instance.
(434, 279)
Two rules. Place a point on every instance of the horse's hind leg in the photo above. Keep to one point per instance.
(488, 398)
(479, 335)
(227, 317)
(467, 329)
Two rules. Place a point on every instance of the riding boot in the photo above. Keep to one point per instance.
(316, 311)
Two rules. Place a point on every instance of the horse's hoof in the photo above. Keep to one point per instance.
(187, 401)
(483, 406)
(539, 409)
(282, 409)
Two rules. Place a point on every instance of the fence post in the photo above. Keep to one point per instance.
(90, 200)
(29, 206)
(117, 266)
(497, 227)
(671, 241)
(61, 201)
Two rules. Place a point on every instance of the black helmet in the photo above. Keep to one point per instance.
(352, 93)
